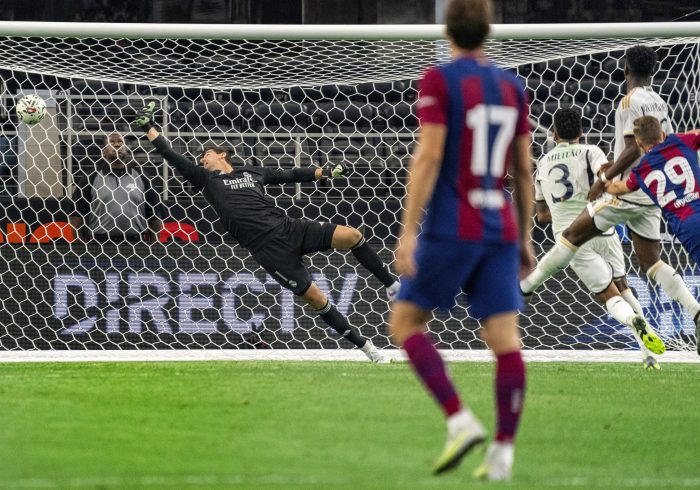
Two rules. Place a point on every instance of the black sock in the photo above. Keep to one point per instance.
(339, 323)
(370, 259)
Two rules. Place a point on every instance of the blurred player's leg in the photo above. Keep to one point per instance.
(501, 334)
(464, 431)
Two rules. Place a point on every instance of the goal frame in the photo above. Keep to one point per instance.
(428, 32)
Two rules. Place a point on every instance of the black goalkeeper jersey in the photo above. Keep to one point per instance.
(238, 197)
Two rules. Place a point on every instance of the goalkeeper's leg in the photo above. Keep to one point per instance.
(345, 238)
(334, 319)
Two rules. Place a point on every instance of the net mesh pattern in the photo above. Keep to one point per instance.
(278, 104)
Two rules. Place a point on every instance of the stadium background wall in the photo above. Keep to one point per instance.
(60, 295)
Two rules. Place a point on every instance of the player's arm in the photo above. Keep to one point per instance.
(311, 174)
(620, 187)
(422, 176)
(524, 195)
(542, 212)
(617, 188)
(691, 138)
(626, 159)
(195, 174)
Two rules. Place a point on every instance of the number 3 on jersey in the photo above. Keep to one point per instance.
(480, 119)
(563, 180)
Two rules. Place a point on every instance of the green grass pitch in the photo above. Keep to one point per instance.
(335, 425)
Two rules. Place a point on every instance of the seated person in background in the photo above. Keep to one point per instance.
(116, 202)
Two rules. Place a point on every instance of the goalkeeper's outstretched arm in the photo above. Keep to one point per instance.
(283, 176)
(195, 174)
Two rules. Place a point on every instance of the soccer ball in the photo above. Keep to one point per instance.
(31, 109)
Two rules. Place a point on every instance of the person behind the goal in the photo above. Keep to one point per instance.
(635, 210)
(277, 242)
(669, 174)
(564, 177)
(473, 131)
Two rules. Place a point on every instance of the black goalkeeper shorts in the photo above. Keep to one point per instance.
(282, 256)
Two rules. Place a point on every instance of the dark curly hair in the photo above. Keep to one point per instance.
(217, 149)
(567, 123)
(641, 61)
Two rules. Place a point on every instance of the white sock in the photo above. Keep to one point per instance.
(632, 300)
(555, 260)
(620, 310)
(672, 283)
(367, 347)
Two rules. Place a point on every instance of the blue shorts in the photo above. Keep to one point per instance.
(486, 272)
(689, 236)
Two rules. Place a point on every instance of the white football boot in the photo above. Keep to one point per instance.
(498, 464)
(464, 433)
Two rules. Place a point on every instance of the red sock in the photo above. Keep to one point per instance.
(429, 366)
(510, 393)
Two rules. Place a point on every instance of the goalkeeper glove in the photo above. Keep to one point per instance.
(335, 170)
(145, 117)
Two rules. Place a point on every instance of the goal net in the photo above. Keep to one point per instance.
(279, 97)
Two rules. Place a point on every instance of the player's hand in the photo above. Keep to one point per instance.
(405, 264)
(527, 259)
(144, 119)
(335, 170)
(597, 190)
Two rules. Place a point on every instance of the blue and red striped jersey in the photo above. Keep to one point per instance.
(484, 108)
(670, 175)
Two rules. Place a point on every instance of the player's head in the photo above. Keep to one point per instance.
(648, 132)
(216, 158)
(468, 22)
(640, 62)
(567, 124)
(115, 150)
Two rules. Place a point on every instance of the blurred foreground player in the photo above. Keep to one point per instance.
(276, 241)
(474, 130)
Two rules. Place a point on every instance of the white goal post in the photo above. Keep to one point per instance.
(281, 96)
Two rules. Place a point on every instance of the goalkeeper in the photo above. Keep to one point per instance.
(276, 241)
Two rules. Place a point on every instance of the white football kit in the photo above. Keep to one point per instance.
(635, 209)
(564, 177)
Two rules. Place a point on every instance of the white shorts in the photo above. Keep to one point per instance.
(598, 261)
(609, 211)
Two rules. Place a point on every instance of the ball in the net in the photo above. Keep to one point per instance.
(31, 109)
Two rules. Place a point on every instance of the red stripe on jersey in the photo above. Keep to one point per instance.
(470, 222)
(670, 152)
(681, 213)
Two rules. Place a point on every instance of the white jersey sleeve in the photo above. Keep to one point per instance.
(538, 184)
(596, 159)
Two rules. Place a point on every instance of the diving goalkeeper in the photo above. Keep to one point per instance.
(276, 241)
